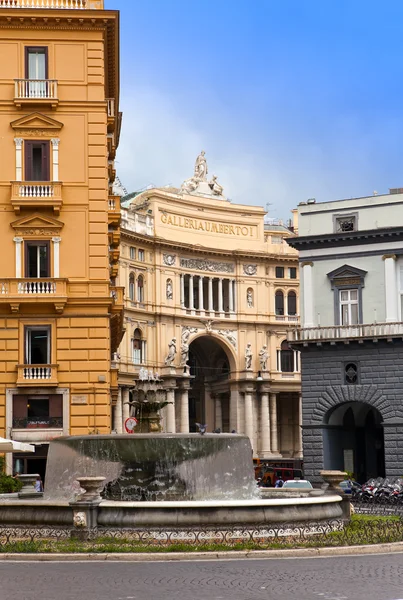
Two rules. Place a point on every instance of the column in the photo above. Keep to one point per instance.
(249, 416)
(265, 447)
(390, 289)
(191, 296)
(201, 304)
(18, 257)
(273, 423)
(307, 300)
(56, 256)
(218, 412)
(126, 406)
(220, 295)
(234, 295)
(117, 413)
(182, 277)
(233, 411)
(18, 159)
(170, 411)
(299, 433)
(210, 294)
(230, 296)
(184, 408)
(55, 159)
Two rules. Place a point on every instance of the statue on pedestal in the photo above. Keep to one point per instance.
(248, 357)
(263, 358)
(201, 167)
(171, 353)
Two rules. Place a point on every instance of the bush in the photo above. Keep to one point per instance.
(7, 483)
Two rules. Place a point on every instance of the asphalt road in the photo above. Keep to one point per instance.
(377, 577)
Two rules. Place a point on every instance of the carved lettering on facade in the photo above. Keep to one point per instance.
(209, 226)
(199, 264)
(347, 281)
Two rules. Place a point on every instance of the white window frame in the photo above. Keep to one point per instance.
(141, 255)
(349, 303)
(28, 350)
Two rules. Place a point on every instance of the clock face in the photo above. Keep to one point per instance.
(130, 424)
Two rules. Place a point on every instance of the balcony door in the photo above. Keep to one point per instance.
(36, 70)
(37, 163)
(37, 263)
(37, 345)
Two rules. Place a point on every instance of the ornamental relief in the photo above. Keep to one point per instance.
(37, 232)
(250, 269)
(169, 259)
(199, 264)
(35, 132)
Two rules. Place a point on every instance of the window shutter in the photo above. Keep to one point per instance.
(20, 407)
(56, 406)
(28, 160)
(45, 161)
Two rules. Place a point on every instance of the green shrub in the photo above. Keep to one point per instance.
(7, 483)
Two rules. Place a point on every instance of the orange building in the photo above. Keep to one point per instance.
(60, 313)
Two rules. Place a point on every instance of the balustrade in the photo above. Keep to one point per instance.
(42, 372)
(37, 287)
(346, 331)
(64, 4)
(32, 190)
(26, 89)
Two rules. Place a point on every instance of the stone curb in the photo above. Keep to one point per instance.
(191, 556)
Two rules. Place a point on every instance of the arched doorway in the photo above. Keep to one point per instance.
(353, 440)
(209, 394)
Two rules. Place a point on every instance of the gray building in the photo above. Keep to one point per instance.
(351, 334)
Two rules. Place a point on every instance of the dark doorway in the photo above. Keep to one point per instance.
(353, 441)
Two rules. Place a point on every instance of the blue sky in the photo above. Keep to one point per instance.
(290, 99)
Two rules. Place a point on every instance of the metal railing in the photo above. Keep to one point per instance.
(70, 4)
(45, 89)
(346, 331)
(38, 422)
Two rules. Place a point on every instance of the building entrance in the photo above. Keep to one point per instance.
(353, 441)
(209, 394)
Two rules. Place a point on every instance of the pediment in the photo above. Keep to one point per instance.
(37, 224)
(347, 275)
(37, 122)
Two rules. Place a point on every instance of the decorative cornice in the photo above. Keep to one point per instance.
(330, 240)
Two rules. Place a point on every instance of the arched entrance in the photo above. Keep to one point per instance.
(353, 440)
(209, 393)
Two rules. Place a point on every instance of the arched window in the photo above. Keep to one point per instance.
(292, 303)
(140, 288)
(131, 287)
(286, 358)
(138, 348)
(279, 302)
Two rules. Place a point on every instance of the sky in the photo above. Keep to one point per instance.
(290, 99)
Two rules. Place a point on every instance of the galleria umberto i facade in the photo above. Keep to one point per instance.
(211, 291)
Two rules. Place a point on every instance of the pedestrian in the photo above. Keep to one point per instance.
(279, 483)
(38, 484)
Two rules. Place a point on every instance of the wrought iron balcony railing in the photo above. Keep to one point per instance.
(38, 423)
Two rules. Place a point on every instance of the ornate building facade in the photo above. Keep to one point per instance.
(211, 291)
(61, 317)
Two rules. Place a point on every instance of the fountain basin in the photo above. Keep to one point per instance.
(168, 514)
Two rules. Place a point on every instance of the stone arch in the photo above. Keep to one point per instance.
(223, 343)
(333, 397)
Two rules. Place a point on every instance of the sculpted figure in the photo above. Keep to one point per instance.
(170, 290)
(217, 189)
(201, 167)
(249, 298)
(263, 358)
(189, 185)
(248, 357)
(171, 352)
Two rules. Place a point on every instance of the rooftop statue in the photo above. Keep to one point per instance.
(198, 183)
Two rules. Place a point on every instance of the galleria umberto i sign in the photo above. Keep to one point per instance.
(200, 279)
(208, 226)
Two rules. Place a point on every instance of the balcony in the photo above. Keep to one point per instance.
(36, 194)
(114, 210)
(22, 291)
(35, 91)
(117, 327)
(287, 318)
(345, 333)
(37, 428)
(59, 4)
(110, 111)
(37, 375)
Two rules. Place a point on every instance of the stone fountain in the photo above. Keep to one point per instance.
(163, 481)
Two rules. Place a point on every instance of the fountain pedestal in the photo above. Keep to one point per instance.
(28, 486)
(85, 508)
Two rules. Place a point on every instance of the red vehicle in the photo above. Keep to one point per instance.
(268, 472)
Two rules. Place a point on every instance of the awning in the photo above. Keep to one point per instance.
(13, 446)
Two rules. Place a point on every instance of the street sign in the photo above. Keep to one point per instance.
(131, 424)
